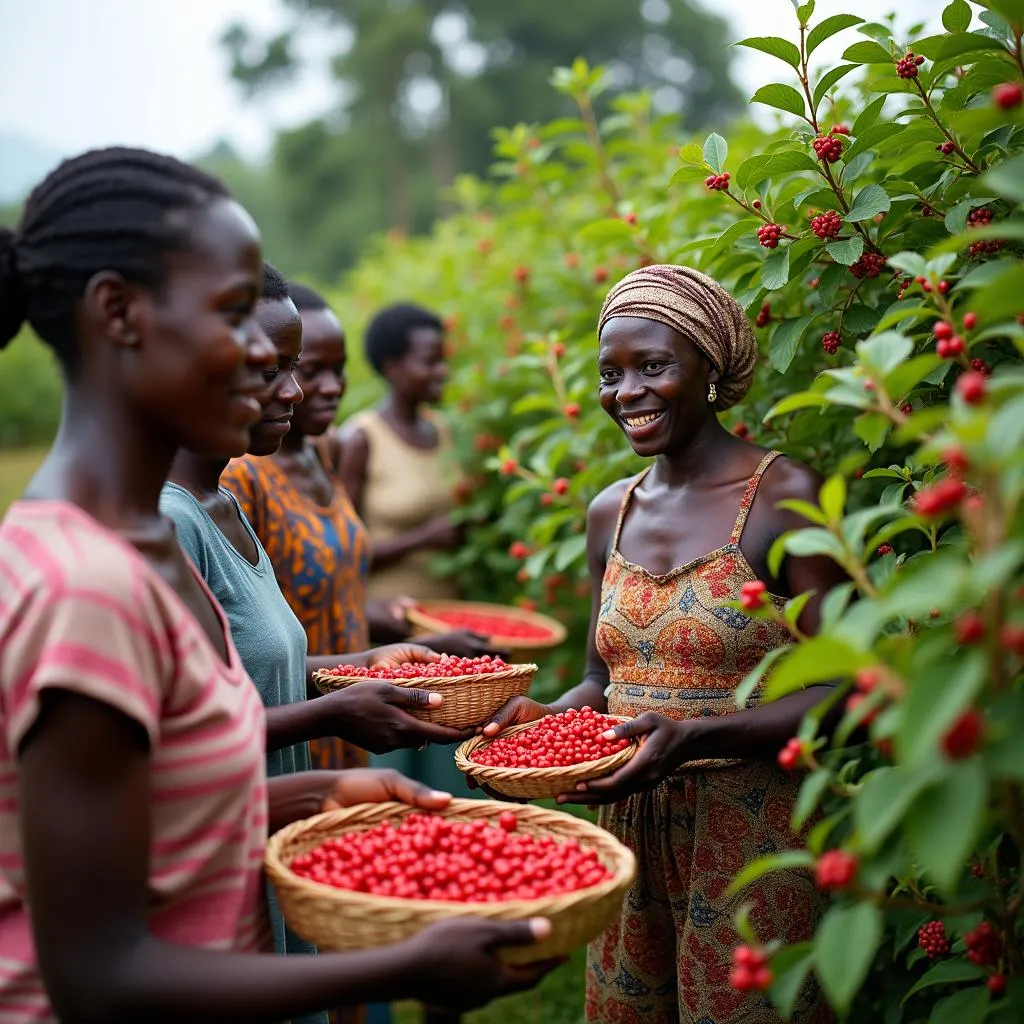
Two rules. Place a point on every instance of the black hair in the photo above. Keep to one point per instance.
(387, 336)
(108, 209)
(305, 297)
(275, 287)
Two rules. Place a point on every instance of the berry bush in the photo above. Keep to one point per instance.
(875, 239)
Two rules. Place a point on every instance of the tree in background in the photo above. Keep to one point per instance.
(421, 82)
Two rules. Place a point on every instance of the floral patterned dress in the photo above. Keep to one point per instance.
(672, 648)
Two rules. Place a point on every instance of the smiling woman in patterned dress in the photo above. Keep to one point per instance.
(704, 796)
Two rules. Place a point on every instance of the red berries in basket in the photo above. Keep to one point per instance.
(433, 858)
(490, 624)
(446, 668)
(556, 741)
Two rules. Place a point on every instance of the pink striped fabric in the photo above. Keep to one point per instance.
(81, 610)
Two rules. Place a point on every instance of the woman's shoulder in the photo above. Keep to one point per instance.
(603, 510)
(786, 477)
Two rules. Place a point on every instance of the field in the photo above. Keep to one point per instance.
(16, 468)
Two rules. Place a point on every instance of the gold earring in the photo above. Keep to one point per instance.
(712, 394)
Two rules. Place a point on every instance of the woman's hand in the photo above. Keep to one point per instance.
(461, 643)
(441, 533)
(662, 750)
(379, 785)
(517, 711)
(393, 655)
(457, 963)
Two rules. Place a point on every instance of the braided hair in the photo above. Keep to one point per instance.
(106, 210)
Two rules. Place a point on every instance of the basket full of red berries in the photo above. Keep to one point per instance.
(546, 757)
(507, 627)
(374, 874)
(472, 688)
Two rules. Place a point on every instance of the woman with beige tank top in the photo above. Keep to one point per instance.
(397, 461)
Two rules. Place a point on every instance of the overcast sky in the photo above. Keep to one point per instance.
(81, 73)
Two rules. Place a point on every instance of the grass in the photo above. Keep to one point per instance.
(558, 999)
(16, 468)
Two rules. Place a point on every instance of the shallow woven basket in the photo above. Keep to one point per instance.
(468, 700)
(424, 621)
(341, 920)
(536, 783)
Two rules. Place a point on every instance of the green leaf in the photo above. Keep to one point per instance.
(844, 949)
(868, 116)
(794, 607)
(911, 263)
(828, 28)
(934, 704)
(868, 52)
(909, 374)
(832, 497)
(610, 229)
(785, 341)
(818, 660)
(829, 79)
(804, 11)
(790, 967)
(1007, 179)
(691, 153)
(882, 353)
(942, 838)
(968, 1006)
(756, 169)
(945, 972)
(782, 97)
(884, 798)
(775, 271)
(752, 680)
(828, 284)
(804, 508)
(716, 149)
(956, 218)
(966, 42)
(846, 252)
(870, 201)
(812, 789)
(786, 860)
(798, 400)
(957, 16)
(570, 551)
(776, 47)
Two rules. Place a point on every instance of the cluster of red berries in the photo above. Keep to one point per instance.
(969, 629)
(839, 129)
(431, 858)
(931, 937)
(980, 366)
(448, 667)
(1008, 95)
(790, 754)
(827, 224)
(948, 345)
(885, 549)
(941, 497)
(972, 386)
(769, 234)
(984, 945)
(830, 342)
(764, 315)
(965, 736)
(753, 595)
(926, 286)
(869, 265)
(980, 218)
(556, 741)
(835, 869)
(906, 66)
(947, 147)
(828, 148)
(491, 625)
(750, 971)
(718, 182)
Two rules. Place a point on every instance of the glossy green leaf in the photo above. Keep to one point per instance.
(867, 52)
(790, 967)
(968, 1006)
(785, 341)
(818, 660)
(691, 153)
(885, 797)
(812, 789)
(716, 150)
(784, 861)
(775, 272)
(869, 202)
(782, 97)
(832, 497)
(945, 972)
(846, 252)
(844, 949)
(828, 27)
(776, 47)
(957, 16)
(796, 401)
(829, 79)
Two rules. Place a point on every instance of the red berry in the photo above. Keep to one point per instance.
(753, 595)
(572, 410)
(518, 549)
(547, 499)
(764, 315)
(931, 937)
(560, 486)
(828, 148)
(741, 430)
(939, 498)
(970, 321)
(827, 225)
(522, 274)
(969, 628)
(629, 218)
(1008, 95)
(718, 182)
(571, 260)
(768, 235)
(853, 707)
(984, 945)
(885, 549)
(942, 329)
(790, 754)
(507, 821)
(840, 129)
(972, 387)
(869, 265)
(508, 467)
(600, 274)
(507, 323)
(1011, 638)
(947, 147)
(756, 204)
(965, 736)
(835, 869)
(980, 366)
(996, 983)
(955, 459)
(867, 679)
(907, 66)
(830, 341)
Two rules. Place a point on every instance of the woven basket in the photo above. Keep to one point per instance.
(341, 920)
(468, 700)
(536, 783)
(423, 619)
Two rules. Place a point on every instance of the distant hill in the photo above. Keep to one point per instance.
(23, 162)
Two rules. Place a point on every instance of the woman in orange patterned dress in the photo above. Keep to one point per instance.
(666, 549)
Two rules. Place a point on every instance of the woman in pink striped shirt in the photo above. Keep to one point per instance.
(134, 805)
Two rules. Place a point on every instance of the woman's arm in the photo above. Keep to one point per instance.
(353, 458)
(84, 797)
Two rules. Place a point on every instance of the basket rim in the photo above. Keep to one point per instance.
(437, 682)
(475, 769)
(623, 868)
(420, 615)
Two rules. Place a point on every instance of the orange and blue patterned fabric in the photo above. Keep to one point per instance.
(321, 556)
(672, 648)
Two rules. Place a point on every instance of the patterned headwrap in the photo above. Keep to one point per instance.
(700, 309)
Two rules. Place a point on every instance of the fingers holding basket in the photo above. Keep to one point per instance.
(379, 785)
